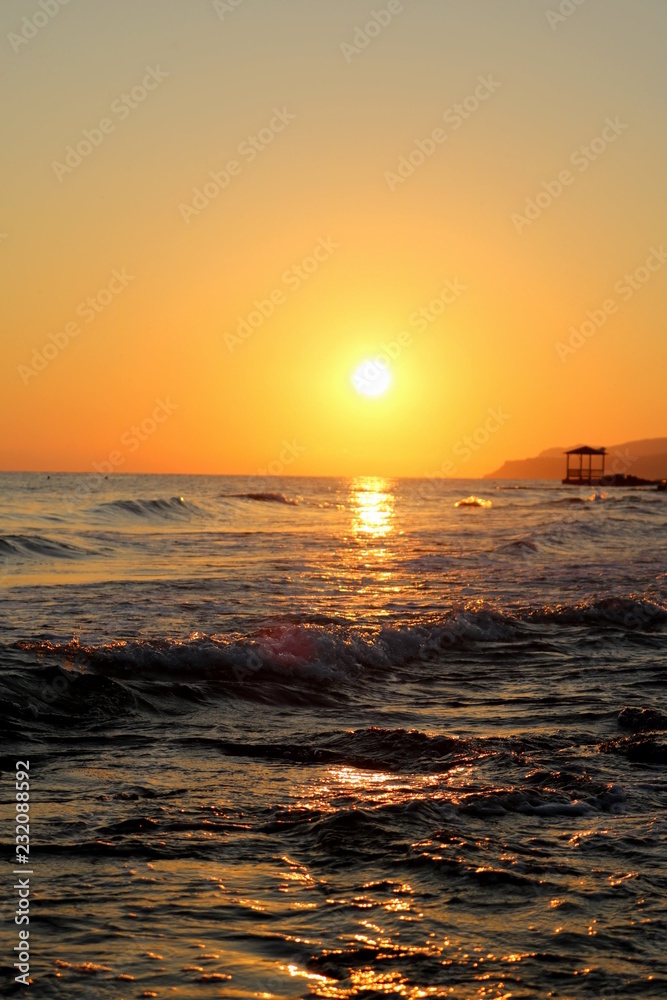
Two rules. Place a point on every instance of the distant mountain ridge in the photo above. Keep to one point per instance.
(646, 458)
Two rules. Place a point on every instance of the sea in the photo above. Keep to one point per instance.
(334, 738)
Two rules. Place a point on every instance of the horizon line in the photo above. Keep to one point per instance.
(236, 475)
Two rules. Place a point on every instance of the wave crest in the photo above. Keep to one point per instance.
(266, 497)
(12, 546)
(160, 507)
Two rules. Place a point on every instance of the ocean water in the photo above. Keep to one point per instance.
(325, 738)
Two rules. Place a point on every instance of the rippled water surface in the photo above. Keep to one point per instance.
(336, 738)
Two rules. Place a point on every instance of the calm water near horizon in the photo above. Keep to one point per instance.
(336, 738)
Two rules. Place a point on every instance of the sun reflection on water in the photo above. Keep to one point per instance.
(372, 506)
(370, 551)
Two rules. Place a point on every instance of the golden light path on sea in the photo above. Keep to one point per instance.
(372, 505)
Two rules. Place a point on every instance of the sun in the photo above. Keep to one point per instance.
(372, 378)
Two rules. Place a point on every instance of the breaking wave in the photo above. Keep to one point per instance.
(306, 662)
(473, 502)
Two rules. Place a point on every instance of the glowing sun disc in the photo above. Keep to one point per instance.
(371, 379)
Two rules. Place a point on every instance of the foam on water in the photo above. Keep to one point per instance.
(473, 501)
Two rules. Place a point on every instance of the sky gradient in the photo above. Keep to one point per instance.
(259, 197)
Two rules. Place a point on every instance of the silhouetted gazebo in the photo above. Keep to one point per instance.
(585, 473)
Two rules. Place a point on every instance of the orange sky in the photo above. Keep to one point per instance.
(371, 196)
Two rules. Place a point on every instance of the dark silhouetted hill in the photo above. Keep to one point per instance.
(646, 458)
